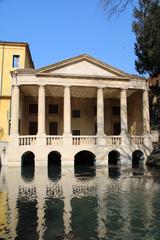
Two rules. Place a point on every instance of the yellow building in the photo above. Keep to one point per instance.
(12, 55)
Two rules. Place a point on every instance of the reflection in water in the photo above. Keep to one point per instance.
(54, 218)
(138, 170)
(114, 207)
(84, 218)
(54, 172)
(84, 171)
(154, 173)
(27, 173)
(27, 219)
(114, 172)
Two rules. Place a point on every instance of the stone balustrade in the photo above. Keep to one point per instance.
(54, 140)
(84, 140)
(137, 140)
(113, 140)
(27, 140)
(80, 140)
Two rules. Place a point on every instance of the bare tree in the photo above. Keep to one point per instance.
(115, 7)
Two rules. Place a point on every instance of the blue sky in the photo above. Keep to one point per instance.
(59, 29)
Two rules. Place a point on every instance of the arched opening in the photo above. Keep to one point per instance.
(54, 165)
(114, 172)
(27, 159)
(84, 162)
(113, 158)
(137, 158)
(27, 166)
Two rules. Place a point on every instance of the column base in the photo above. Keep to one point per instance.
(101, 139)
(125, 139)
(148, 142)
(67, 139)
(41, 139)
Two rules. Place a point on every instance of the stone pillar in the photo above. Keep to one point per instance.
(15, 111)
(123, 107)
(67, 111)
(100, 117)
(100, 112)
(41, 110)
(146, 119)
(146, 123)
(67, 136)
(41, 135)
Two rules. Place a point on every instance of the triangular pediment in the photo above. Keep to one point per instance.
(82, 65)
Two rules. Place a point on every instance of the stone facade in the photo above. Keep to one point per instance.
(80, 104)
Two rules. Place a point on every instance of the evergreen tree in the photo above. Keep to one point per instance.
(147, 30)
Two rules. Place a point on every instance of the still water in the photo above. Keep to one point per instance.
(97, 204)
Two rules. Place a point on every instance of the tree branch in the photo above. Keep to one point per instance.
(115, 7)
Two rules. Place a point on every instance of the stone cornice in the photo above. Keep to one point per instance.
(82, 76)
(32, 72)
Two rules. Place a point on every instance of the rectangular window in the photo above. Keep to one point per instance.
(15, 61)
(53, 128)
(33, 108)
(116, 110)
(76, 114)
(53, 108)
(76, 132)
(33, 126)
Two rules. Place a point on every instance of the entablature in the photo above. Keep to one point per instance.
(83, 82)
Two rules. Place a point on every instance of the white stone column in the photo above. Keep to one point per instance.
(100, 117)
(123, 107)
(100, 112)
(41, 134)
(146, 123)
(15, 111)
(67, 135)
(146, 118)
(67, 110)
(41, 110)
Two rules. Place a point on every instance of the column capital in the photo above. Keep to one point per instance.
(42, 85)
(16, 85)
(101, 87)
(145, 90)
(124, 88)
(67, 86)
